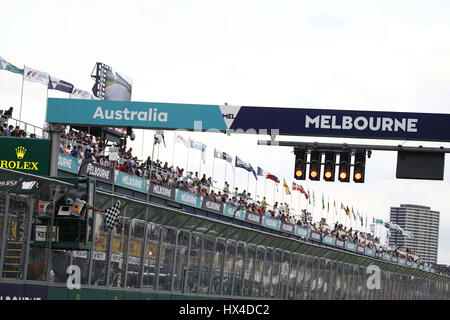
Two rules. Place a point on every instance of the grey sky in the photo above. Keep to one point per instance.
(361, 55)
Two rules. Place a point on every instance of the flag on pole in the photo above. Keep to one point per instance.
(299, 188)
(222, 155)
(323, 202)
(288, 192)
(314, 200)
(354, 216)
(309, 197)
(378, 221)
(37, 76)
(5, 65)
(335, 210)
(60, 85)
(347, 212)
(328, 204)
(112, 216)
(80, 94)
(273, 178)
(159, 136)
(183, 141)
(198, 146)
(261, 172)
(241, 164)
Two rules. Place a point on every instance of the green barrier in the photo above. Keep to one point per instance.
(161, 296)
(96, 294)
(74, 294)
(115, 295)
(148, 296)
(131, 295)
(57, 293)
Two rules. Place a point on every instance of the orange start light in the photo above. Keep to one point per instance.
(328, 174)
(358, 176)
(343, 175)
(313, 174)
(298, 173)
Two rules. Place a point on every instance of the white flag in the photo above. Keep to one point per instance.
(80, 94)
(180, 139)
(36, 76)
(222, 155)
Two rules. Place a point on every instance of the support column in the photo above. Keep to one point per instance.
(55, 133)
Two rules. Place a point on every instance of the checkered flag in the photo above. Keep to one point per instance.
(112, 215)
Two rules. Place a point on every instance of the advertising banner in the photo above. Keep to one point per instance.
(360, 249)
(232, 212)
(286, 121)
(131, 182)
(271, 223)
(402, 261)
(394, 259)
(213, 206)
(253, 218)
(340, 243)
(327, 239)
(162, 191)
(287, 227)
(301, 232)
(351, 246)
(26, 155)
(386, 257)
(315, 236)
(189, 199)
(370, 252)
(67, 163)
(20, 291)
(98, 172)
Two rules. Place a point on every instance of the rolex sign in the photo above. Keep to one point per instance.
(25, 155)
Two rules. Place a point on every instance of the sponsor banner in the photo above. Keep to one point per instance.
(340, 243)
(21, 291)
(327, 239)
(213, 206)
(344, 123)
(42, 235)
(370, 252)
(230, 211)
(427, 268)
(131, 182)
(386, 257)
(253, 218)
(98, 172)
(402, 261)
(315, 236)
(421, 267)
(26, 155)
(67, 163)
(301, 232)
(134, 260)
(287, 121)
(134, 114)
(271, 223)
(99, 256)
(415, 265)
(360, 249)
(189, 199)
(287, 227)
(409, 263)
(37, 76)
(378, 254)
(394, 259)
(351, 246)
(80, 254)
(162, 191)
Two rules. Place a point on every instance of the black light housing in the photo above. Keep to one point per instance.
(300, 164)
(330, 166)
(359, 167)
(314, 166)
(344, 167)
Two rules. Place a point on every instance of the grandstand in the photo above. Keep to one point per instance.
(181, 237)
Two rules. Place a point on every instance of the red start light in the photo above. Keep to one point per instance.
(298, 173)
(343, 175)
(313, 174)
(328, 174)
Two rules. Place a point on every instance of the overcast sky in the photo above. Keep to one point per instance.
(358, 55)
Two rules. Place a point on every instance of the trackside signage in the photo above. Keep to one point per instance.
(245, 119)
(25, 155)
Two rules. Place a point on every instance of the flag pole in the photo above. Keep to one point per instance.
(225, 176)
(213, 163)
(248, 180)
(173, 149)
(21, 94)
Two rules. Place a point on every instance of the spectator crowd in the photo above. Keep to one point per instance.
(85, 146)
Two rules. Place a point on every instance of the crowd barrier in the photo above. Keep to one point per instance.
(122, 179)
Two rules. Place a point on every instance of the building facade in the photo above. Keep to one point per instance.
(423, 223)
